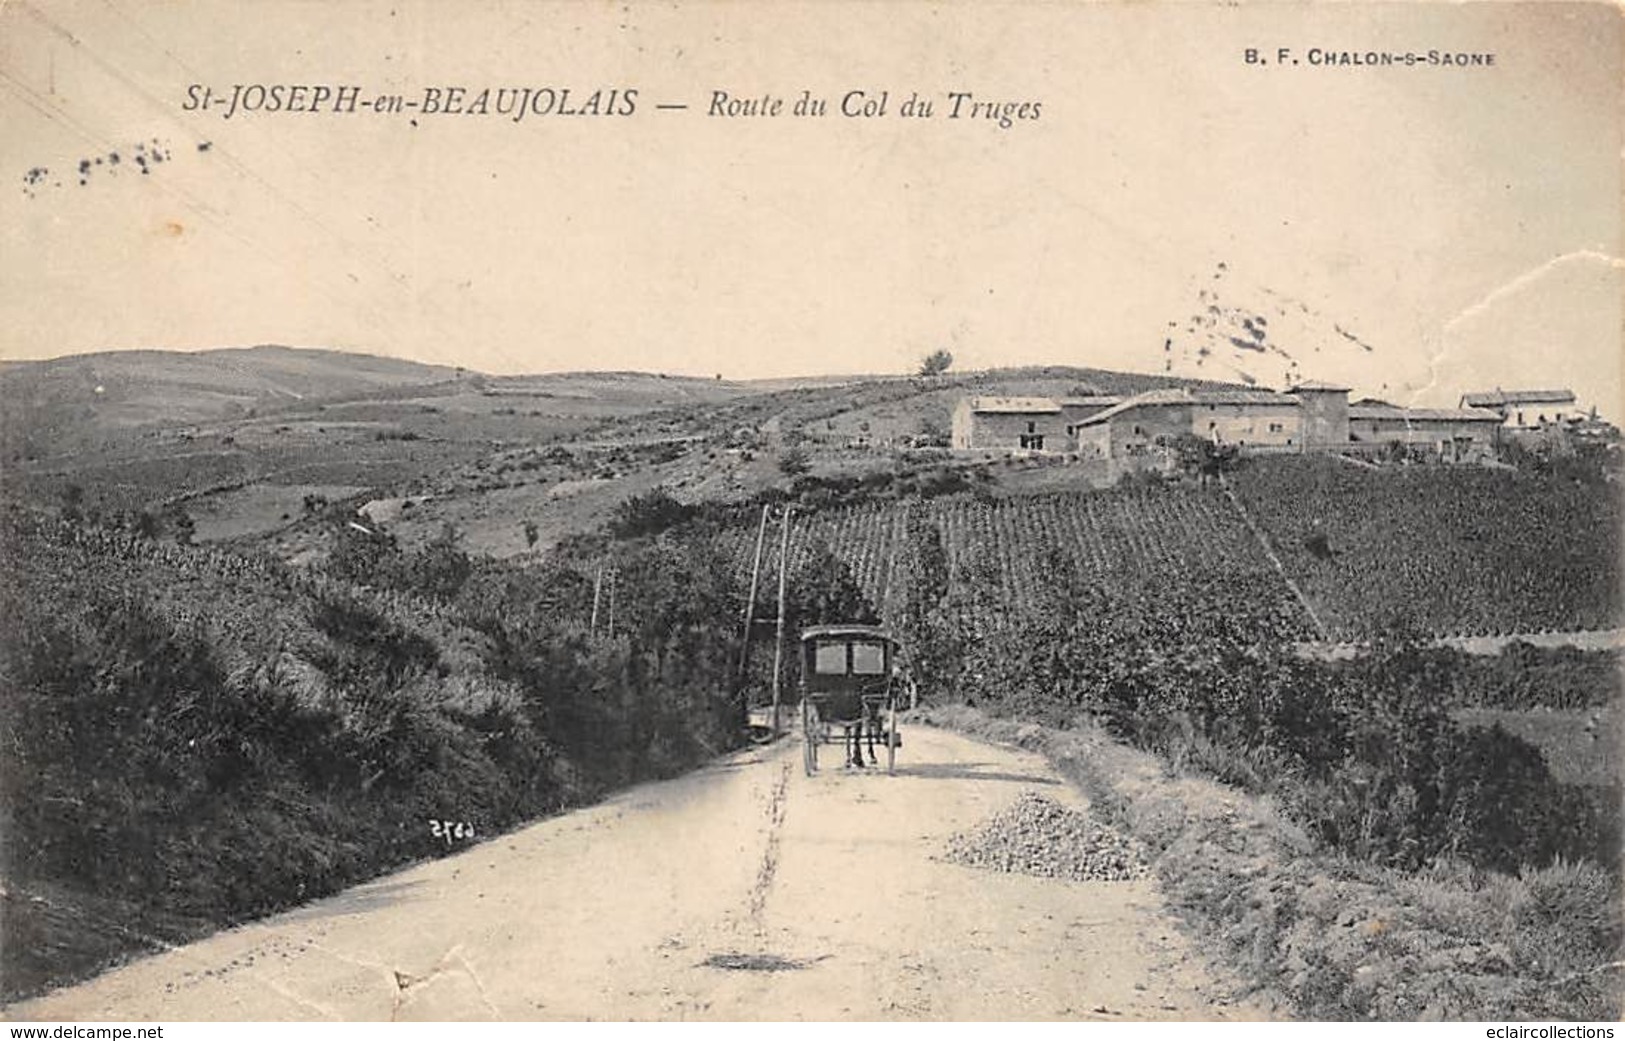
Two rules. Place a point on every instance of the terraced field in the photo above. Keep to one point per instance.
(1442, 552)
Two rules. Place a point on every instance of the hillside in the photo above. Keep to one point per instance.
(884, 409)
(250, 441)
(247, 657)
(241, 440)
(1441, 551)
(126, 388)
(55, 407)
(1448, 550)
(198, 737)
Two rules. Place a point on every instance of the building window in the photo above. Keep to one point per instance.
(1520, 419)
(1276, 428)
(1032, 427)
(1033, 441)
(1137, 429)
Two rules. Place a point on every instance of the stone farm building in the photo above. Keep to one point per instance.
(1457, 435)
(1021, 424)
(1258, 420)
(1134, 432)
(1527, 409)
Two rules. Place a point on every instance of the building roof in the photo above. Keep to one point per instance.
(1244, 397)
(1317, 385)
(1492, 398)
(1014, 405)
(1182, 396)
(1092, 406)
(1171, 396)
(1418, 415)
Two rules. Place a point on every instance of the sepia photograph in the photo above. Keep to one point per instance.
(840, 512)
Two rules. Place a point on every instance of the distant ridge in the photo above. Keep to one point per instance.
(54, 403)
(65, 405)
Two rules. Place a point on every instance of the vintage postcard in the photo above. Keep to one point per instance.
(841, 511)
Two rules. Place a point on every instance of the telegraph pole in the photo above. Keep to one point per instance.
(597, 594)
(742, 677)
(750, 602)
(778, 643)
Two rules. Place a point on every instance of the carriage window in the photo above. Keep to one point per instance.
(868, 659)
(829, 658)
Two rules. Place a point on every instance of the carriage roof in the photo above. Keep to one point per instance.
(872, 632)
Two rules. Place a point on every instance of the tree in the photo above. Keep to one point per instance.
(73, 501)
(794, 461)
(440, 568)
(361, 554)
(936, 363)
(144, 525)
(824, 591)
(180, 522)
(650, 513)
(925, 626)
(1204, 459)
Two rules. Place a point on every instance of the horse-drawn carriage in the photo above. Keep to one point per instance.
(851, 679)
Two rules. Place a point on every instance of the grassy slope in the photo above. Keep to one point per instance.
(129, 388)
(195, 737)
(238, 840)
(1331, 938)
(214, 425)
(484, 488)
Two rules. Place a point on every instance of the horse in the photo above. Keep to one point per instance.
(857, 719)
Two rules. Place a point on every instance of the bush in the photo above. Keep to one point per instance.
(936, 363)
(439, 569)
(794, 461)
(650, 513)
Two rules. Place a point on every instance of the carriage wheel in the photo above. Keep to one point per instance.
(809, 737)
(891, 739)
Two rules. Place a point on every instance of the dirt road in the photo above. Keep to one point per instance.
(744, 891)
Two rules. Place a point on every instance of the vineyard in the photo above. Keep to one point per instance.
(1447, 551)
(1442, 553)
(1002, 554)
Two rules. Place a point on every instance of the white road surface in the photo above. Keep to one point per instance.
(743, 891)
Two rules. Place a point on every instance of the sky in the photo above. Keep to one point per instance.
(1463, 225)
